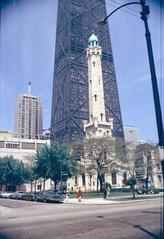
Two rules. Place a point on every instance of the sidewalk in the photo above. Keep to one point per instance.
(113, 200)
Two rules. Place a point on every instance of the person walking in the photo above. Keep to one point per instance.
(67, 195)
(79, 195)
(108, 192)
(105, 193)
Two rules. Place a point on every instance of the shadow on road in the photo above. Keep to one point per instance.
(149, 233)
(2, 236)
(152, 235)
(151, 212)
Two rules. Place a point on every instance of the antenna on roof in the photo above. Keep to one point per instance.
(29, 87)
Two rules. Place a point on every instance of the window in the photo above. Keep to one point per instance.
(94, 63)
(75, 180)
(159, 178)
(101, 116)
(114, 178)
(12, 145)
(95, 96)
(124, 178)
(83, 179)
(90, 178)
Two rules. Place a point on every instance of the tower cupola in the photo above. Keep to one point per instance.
(93, 40)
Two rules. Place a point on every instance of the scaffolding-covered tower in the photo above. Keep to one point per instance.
(75, 22)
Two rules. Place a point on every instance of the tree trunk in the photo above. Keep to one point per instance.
(35, 186)
(101, 183)
(31, 186)
(44, 181)
(97, 183)
(55, 184)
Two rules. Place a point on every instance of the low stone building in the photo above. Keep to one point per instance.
(21, 149)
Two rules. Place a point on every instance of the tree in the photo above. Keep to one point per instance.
(12, 173)
(137, 163)
(52, 161)
(42, 166)
(147, 160)
(97, 157)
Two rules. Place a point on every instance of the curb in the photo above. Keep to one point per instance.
(108, 202)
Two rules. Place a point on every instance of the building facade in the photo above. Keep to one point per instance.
(21, 149)
(131, 134)
(28, 117)
(75, 21)
(24, 150)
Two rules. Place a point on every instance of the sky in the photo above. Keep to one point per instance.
(27, 50)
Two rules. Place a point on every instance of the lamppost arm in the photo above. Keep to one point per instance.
(103, 21)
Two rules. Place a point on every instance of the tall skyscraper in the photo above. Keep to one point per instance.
(75, 22)
(28, 117)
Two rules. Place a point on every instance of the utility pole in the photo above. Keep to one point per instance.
(144, 13)
(61, 175)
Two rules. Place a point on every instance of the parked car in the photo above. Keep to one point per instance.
(28, 196)
(49, 196)
(17, 195)
(5, 194)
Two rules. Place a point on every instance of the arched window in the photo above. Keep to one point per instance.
(159, 178)
(95, 97)
(101, 116)
(94, 63)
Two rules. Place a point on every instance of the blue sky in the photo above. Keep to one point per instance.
(28, 29)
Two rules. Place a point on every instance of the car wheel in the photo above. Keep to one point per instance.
(44, 200)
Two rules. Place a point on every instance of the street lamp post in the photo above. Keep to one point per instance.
(145, 11)
(61, 175)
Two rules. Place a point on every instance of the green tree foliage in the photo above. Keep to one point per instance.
(13, 173)
(52, 160)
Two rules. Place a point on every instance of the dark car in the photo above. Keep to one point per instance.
(28, 196)
(49, 196)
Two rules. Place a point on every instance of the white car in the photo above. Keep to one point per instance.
(5, 194)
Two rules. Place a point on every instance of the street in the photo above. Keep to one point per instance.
(30, 220)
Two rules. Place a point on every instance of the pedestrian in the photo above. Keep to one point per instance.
(108, 193)
(79, 195)
(67, 195)
(105, 193)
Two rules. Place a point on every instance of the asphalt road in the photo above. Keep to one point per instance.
(30, 220)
